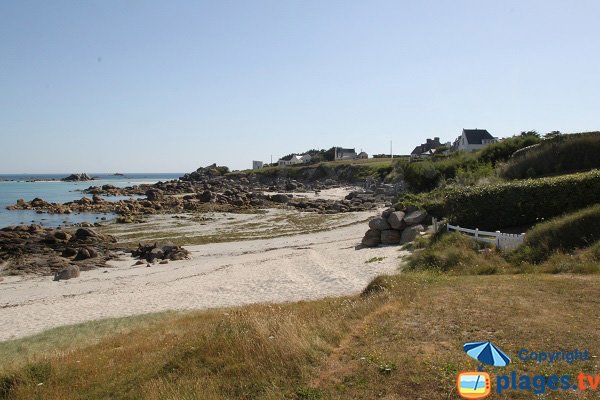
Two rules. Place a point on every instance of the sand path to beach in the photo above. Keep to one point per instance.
(281, 269)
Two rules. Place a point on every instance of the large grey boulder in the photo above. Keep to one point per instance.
(391, 236)
(387, 212)
(415, 217)
(372, 238)
(410, 233)
(72, 271)
(379, 224)
(280, 198)
(154, 194)
(395, 220)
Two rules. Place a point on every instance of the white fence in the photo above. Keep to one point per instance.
(501, 240)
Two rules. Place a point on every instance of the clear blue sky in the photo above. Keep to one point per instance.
(171, 85)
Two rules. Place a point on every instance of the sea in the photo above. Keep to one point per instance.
(50, 188)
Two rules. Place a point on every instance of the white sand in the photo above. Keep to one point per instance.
(299, 267)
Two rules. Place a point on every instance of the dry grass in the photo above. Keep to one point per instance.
(403, 341)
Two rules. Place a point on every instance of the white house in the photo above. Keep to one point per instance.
(295, 159)
(473, 139)
(362, 155)
(257, 164)
(345, 154)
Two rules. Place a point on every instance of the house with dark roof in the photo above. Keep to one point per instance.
(345, 154)
(427, 148)
(473, 139)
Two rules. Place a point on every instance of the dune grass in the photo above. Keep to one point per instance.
(402, 340)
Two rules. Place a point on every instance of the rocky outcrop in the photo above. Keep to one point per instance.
(32, 249)
(155, 253)
(395, 227)
(72, 271)
(77, 178)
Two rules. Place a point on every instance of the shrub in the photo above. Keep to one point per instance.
(583, 262)
(567, 233)
(520, 203)
(454, 252)
(557, 155)
(502, 151)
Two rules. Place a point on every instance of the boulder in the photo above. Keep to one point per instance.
(415, 217)
(395, 220)
(280, 198)
(82, 254)
(390, 236)
(372, 238)
(205, 196)
(84, 233)
(155, 194)
(386, 213)
(72, 271)
(410, 233)
(379, 223)
(69, 252)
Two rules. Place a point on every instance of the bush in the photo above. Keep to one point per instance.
(462, 167)
(520, 203)
(502, 151)
(454, 252)
(557, 155)
(567, 233)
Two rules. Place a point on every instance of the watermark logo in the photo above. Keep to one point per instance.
(477, 384)
(473, 385)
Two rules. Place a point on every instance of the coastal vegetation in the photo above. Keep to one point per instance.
(402, 338)
(559, 154)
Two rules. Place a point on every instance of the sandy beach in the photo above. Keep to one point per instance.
(280, 269)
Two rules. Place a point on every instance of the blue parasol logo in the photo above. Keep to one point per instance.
(487, 353)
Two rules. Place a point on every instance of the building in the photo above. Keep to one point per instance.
(473, 139)
(295, 159)
(345, 154)
(428, 148)
(257, 164)
(362, 155)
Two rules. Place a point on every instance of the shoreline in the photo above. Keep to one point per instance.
(273, 270)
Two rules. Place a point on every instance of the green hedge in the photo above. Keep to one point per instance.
(519, 203)
(572, 231)
(559, 155)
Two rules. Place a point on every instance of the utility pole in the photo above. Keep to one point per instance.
(391, 151)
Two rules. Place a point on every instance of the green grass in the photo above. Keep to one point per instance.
(374, 259)
(566, 233)
(402, 341)
(559, 155)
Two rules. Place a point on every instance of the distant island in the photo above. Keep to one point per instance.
(77, 178)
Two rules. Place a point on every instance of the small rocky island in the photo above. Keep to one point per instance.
(83, 177)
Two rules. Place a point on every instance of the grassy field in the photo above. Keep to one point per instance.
(401, 341)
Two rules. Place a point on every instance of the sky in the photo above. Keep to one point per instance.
(168, 86)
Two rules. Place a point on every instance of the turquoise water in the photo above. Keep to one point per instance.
(14, 187)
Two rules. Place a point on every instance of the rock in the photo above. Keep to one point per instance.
(155, 195)
(72, 271)
(395, 220)
(372, 238)
(386, 213)
(410, 233)
(62, 235)
(82, 254)
(77, 178)
(205, 196)
(280, 198)
(379, 224)
(69, 252)
(390, 236)
(415, 217)
(84, 233)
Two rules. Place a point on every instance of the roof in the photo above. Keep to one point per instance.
(476, 136)
(342, 150)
